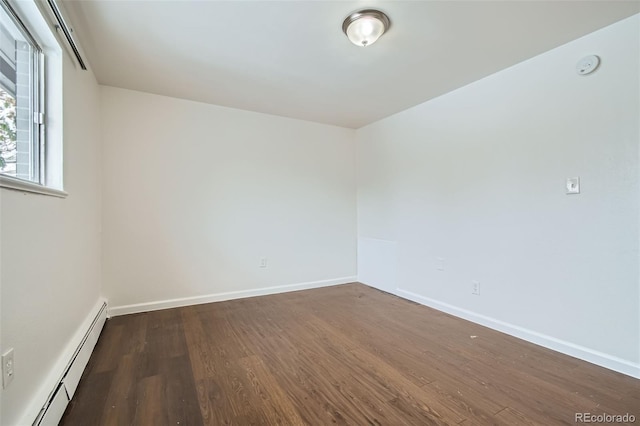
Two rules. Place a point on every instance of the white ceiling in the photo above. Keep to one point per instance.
(290, 58)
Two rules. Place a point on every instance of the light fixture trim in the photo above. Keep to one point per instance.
(366, 13)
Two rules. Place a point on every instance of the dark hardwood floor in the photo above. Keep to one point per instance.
(348, 354)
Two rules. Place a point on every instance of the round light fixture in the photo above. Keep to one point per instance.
(366, 26)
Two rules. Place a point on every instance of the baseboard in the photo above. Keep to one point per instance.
(599, 358)
(59, 369)
(220, 297)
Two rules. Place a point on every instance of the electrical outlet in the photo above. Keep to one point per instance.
(263, 262)
(7, 368)
(573, 185)
(475, 288)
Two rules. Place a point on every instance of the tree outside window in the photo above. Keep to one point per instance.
(8, 133)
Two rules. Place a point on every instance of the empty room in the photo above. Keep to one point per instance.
(319, 212)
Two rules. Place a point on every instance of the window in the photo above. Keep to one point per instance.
(21, 101)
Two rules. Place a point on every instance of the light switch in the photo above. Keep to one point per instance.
(573, 185)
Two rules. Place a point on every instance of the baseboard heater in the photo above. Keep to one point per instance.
(64, 390)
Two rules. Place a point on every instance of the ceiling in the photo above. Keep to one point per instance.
(290, 58)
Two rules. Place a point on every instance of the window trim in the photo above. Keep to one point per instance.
(8, 182)
(37, 140)
(50, 64)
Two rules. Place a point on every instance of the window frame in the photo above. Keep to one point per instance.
(41, 160)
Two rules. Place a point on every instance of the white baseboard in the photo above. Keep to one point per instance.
(595, 357)
(56, 373)
(219, 297)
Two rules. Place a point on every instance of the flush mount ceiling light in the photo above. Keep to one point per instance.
(366, 26)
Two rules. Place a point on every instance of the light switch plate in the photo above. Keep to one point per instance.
(573, 185)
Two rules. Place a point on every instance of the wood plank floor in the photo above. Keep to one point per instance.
(347, 354)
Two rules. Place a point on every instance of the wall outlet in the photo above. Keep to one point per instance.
(7, 368)
(475, 288)
(573, 185)
(440, 263)
(263, 262)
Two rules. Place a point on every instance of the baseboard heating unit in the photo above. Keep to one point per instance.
(63, 391)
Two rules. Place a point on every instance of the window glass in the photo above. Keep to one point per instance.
(20, 88)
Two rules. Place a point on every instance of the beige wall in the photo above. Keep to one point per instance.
(50, 273)
(195, 194)
(477, 177)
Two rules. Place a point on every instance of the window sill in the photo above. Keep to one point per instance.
(25, 186)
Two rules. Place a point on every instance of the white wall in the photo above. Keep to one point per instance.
(477, 177)
(195, 194)
(50, 265)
